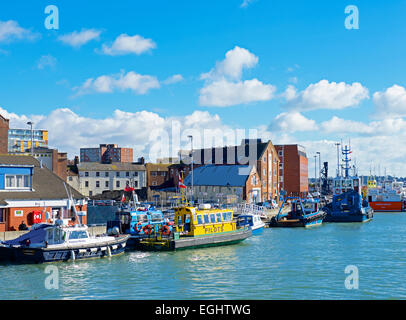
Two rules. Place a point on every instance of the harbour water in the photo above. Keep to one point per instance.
(280, 263)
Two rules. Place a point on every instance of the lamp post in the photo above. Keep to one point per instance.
(30, 123)
(315, 170)
(191, 143)
(338, 159)
(319, 172)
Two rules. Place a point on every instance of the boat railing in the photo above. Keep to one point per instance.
(250, 208)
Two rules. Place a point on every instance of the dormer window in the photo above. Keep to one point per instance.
(18, 182)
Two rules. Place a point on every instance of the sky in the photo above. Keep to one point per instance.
(146, 74)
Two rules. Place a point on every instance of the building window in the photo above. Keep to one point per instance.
(280, 153)
(97, 174)
(70, 179)
(106, 174)
(86, 173)
(154, 173)
(2, 215)
(106, 184)
(97, 184)
(135, 184)
(118, 174)
(118, 184)
(87, 184)
(127, 174)
(136, 174)
(90, 193)
(18, 181)
(154, 183)
(281, 165)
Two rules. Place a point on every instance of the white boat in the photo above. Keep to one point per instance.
(252, 220)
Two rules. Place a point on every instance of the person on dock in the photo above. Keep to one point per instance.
(22, 226)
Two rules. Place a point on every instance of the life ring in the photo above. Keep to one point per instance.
(165, 230)
(148, 229)
(138, 227)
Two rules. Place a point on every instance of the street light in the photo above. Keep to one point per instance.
(315, 170)
(191, 143)
(319, 172)
(30, 123)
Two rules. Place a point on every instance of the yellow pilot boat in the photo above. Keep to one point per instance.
(194, 227)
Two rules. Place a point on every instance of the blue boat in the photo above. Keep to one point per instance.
(251, 220)
(347, 204)
(303, 213)
(139, 222)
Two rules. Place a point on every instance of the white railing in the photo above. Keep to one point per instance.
(244, 208)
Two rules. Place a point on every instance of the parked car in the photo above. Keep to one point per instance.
(271, 204)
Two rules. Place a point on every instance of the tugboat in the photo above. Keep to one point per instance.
(60, 242)
(251, 220)
(304, 213)
(347, 204)
(197, 227)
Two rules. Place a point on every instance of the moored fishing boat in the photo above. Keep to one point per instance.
(389, 197)
(303, 213)
(138, 222)
(198, 227)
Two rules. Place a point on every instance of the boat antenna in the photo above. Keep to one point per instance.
(72, 203)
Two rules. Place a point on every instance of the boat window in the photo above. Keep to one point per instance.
(156, 217)
(308, 206)
(142, 218)
(212, 218)
(249, 220)
(58, 235)
(218, 214)
(78, 235)
(241, 221)
(50, 235)
(206, 218)
(199, 219)
(179, 219)
(227, 216)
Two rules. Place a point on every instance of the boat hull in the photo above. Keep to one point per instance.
(220, 239)
(25, 254)
(386, 206)
(315, 220)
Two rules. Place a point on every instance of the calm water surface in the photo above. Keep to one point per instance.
(278, 264)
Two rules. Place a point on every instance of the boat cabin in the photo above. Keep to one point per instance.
(203, 220)
(248, 219)
(304, 207)
(345, 184)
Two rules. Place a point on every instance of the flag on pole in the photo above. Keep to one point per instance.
(123, 198)
(181, 185)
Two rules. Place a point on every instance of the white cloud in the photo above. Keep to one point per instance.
(10, 30)
(231, 67)
(223, 93)
(245, 3)
(292, 122)
(133, 81)
(46, 61)
(391, 102)
(77, 39)
(173, 79)
(223, 84)
(326, 95)
(125, 44)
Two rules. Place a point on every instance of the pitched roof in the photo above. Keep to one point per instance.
(157, 166)
(46, 184)
(219, 175)
(241, 154)
(115, 166)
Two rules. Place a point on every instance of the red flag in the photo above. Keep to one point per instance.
(128, 189)
(123, 198)
(181, 185)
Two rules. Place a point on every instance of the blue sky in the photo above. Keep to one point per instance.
(280, 44)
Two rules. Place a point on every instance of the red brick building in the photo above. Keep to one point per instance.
(293, 169)
(4, 127)
(32, 193)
